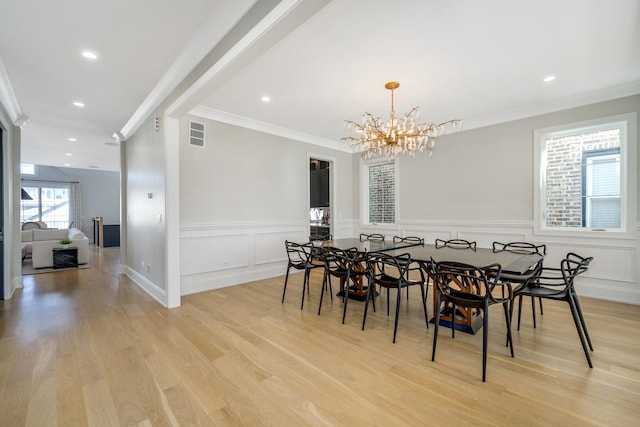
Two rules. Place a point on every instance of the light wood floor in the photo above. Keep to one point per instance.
(88, 347)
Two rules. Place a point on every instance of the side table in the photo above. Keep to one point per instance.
(65, 257)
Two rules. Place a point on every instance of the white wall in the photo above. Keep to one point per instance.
(241, 196)
(145, 211)
(479, 186)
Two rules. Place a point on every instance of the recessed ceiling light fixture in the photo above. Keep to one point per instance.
(549, 79)
(265, 98)
(71, 139)
(78, 104)
(89, 55)
(68, 154)
(67, 164)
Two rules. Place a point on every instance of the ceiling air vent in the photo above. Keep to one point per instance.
(196, 134)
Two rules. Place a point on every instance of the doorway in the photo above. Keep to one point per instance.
(319, 196)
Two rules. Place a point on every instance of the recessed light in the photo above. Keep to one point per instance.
(89, 55)
(71, 139)
(549, 79)
(265, 98)
(68, 154)
(67, 164)
(78, 104)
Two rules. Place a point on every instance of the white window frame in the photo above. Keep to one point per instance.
(627, 123)
(364, 191)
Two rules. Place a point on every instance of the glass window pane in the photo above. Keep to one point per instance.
(382, 193)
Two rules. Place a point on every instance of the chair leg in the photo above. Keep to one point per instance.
(346, 297)
(519, 309)
(540, 303)
(576, 320)
(453, 320)
(366, 304)
(395, 324)
(305, 285)
(533, 311)
(582, 322)
(286, 279)
(324, 284)
(424, 304)
(485, 336)
(435, 329)
(387, 301)
(507, 318)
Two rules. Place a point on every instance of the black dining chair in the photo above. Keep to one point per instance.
(390, 272)
(465, 286)
(558, 284)
(455, 244)
(524, 248)
(300, 258)
(372, 237)
(348, 265)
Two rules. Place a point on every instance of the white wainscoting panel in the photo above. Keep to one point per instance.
(216, 256)
(212, 253)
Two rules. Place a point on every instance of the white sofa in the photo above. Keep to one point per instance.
(39, 243)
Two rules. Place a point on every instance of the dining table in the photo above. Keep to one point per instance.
(466, 320)
(358, 290)
(423, 254)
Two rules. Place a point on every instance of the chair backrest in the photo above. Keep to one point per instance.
(455, 244)
(454, 276)
(343, 259)
(409, 239)
(385, 268)
(562, 278)
(520, 248)
(373, 237)
(298, 253)
(574, 265)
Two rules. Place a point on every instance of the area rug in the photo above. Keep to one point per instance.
(27, 268)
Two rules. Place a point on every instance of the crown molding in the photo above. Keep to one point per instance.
(8, 99)
(245, 122)
(620, 91)
(209, 34)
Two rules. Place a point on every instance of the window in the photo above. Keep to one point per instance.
(379, 192)
(50, 204)
(583, 182)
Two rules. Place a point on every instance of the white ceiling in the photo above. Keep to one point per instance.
(479, 61)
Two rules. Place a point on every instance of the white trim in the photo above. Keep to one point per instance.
(621, 91)
(148, 286)
(628, 185)
(333, 189)
(8, 99)
(245, 122)
(208, 35)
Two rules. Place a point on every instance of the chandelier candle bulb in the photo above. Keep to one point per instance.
(396, 137)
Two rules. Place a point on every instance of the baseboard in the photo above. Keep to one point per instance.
(146, 285)
(191, 284)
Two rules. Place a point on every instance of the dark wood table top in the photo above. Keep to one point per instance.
(514, 263)
(366, 245)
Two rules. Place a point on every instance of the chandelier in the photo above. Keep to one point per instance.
(397, 136)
